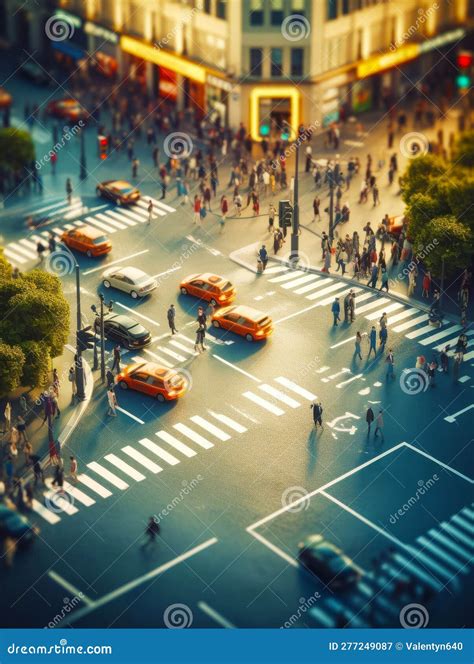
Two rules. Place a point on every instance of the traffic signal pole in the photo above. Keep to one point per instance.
(79, 368)
(295, 230)
(102, 340)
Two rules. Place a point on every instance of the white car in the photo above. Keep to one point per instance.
(133, 281)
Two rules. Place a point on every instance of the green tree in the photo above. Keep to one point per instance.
(16, 149)
(420, 175)
(11, 367)
(36, 364)
(445, 238)
(464, 150)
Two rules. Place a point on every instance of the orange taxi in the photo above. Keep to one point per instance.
(210, 287)
(153, 379)
(245, 321)
(87, 240)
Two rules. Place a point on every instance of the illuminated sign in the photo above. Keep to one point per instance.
(70, 18)
(442, 40)
(163, 59)
(100, 32)
(273, 92)
(220, 83)
(387, 60)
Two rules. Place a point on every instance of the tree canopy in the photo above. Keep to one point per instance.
(16, 149)
(34, 326)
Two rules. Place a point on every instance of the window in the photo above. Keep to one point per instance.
(256, 12)
(297, 7)
(332, 9)
(256, 60)
(297, 61)
(276, 68)
(207, 6)
(221, 9)
(346, 8)
(276, 12)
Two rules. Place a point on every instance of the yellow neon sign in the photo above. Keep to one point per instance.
(163, 59)
(273, 92)
(387, 60)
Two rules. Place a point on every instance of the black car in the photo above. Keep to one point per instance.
(125, 331)
(326, 561)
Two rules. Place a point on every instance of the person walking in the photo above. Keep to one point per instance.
(69, 191)
(271, 217)
(432, 366)
(316, 208)
(369, 418)
(352, 306)
(7, 418)
(384, 283)
(21, 428)
(38, 471)
(224, 211)
(27, 452)
(117, 358)
(347, 300)
(372, 341)
(112, 402)
(110, 378)
(150, 212)
(444, 359)
(379, 425)
(58, 479)
(336, 309)
(373, 276)
(135, 165)
(51, 242)
(72, 380)
(197, 210)
(200, 336)
(358, 341)
(263, 257)
(171, 315)
(151, 531)
(383, 334)
(426, 284)
(73, 468)
(40, 249)
(317, 409)
(390, 360)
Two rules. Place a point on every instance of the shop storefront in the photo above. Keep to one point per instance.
(217, 99)
(103, 43)
(270, 108)
(335, 96)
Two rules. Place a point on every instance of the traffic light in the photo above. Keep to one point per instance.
(464, 62)
(285, 214)
(103, 144)
(85, 338)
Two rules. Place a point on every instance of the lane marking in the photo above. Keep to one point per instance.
(403, 314)
(417, 571)
(371, 305)
(426, 329)
(385, 310)
(79, 495)
(43, 511)
(109, 221)
(291, 561)
(193, 435)
(75, 592)
(263, 403)
(340, 295)
(233, 366)
(440, 463)
(410, 323)
(217, 617)
(125, 412)
(119, 260)
(334, 288)
(208, 426)
(301, 391)
(111, 214)
(312, 286)
(437, 551)
(449, 544)
(159, 204)
(107, 475)
(98, 224)
(136, 313)
(13, 257)
(159, 451)
(94, 486)
(171, 353)
(159, 359)
(454, 532)
(57, 497)
(280, 396)
(349, 380)
(300, 281)
(124, 467)
(440, 335)
(289, 276)
(228, 421)
(142, 459)
(177, 444)
(341, 343)
(297, 313)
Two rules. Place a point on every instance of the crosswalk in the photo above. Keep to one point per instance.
(135, 462)
(62, 217)
(438, 559)
(402, 318)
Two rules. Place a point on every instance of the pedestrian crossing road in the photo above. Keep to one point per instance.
(402, 318)
(108, 218)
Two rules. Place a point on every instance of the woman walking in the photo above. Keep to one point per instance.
(358, 342)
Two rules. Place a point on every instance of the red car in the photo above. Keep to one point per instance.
(67, 109)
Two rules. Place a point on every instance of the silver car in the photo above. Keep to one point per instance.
(133, 281)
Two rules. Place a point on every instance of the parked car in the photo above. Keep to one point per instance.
(329, 563)
(119, 191)
(124, 330)
(129, 279)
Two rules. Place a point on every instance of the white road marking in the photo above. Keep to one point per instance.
(133, 417)
(330, 289)
(119, 260)
(110, 222)
(420, 332)
(232, 424)
(233, 366)
(280, 396)
(135, 213)
(464, 524)
(57, 498)
(440, 335)
(177, 444)
(276, 269)
(142, 459)
(217, 617)
(301, 391)
(341, 343)
(297, 313)
(263, 403)
(371, 305)
(340, 295)
(44, 512)
(25, 252)
(300, 281)
(287, 277)
(440, 463)
(464, 379)
(99, 224)
(211, 428)
(349, 380)
(449, 544)
(456, 564)
(289, 559)
(171, 353)
(159, 359)
(75, 592)
(172, 269)
(185, 349)
(312, 286)
(110, 214)
(403, 314)
(142, 208)
(107, 475)
(124, 467)
(417, 571)
(160, 204)
(78, 495)
(385, 310)
(159, 451)
(136, 313)
(410, 323)
(55, 205)
(193, 435)
(14, 257)
(454, 532)
(94, 486)
(244, 414)
(430, 563)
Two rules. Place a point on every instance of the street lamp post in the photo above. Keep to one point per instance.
(82, 159)
(331, 208)
(79, 368)
(295, 229)
(100, 315)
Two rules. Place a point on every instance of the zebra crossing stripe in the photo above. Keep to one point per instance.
(136, 214)
(275, 269)
(440, 335)
(287, 277)
(428, 562)
(142, 204)
(306, 394)
(94, 486)
(417, 571)
(141, 458)
(449, 544)
(184, 338)
(420, 331)
(330, 289)
(192, 435)
(450, 342)
(24, 252)
(322, 617)
(171, 353)
(160, 204)
(177, 444)
(13, 257)
(343, 293)
(185, 349)
(410, 323)
(312, 286)
(44, 512)
(159, 359)
(454, 532)
(79, 495)
(211, 428)
(403, 314)
(99, 224)
(124, 467)
(300, 281)
(467, 512)
(371, 305)
(107, 475)
(386, 310)
(362, 298)
(159, 451)
(57, 498)
(107, 220)
(263, 403)
(280, 396)
(458, 520)
(228, 421)
(457, 565)
(110, 214)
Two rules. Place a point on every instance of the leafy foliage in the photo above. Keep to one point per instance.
(464, 150)
(16, 149)
(11, 367)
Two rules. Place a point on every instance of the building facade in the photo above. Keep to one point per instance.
(267, 63)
